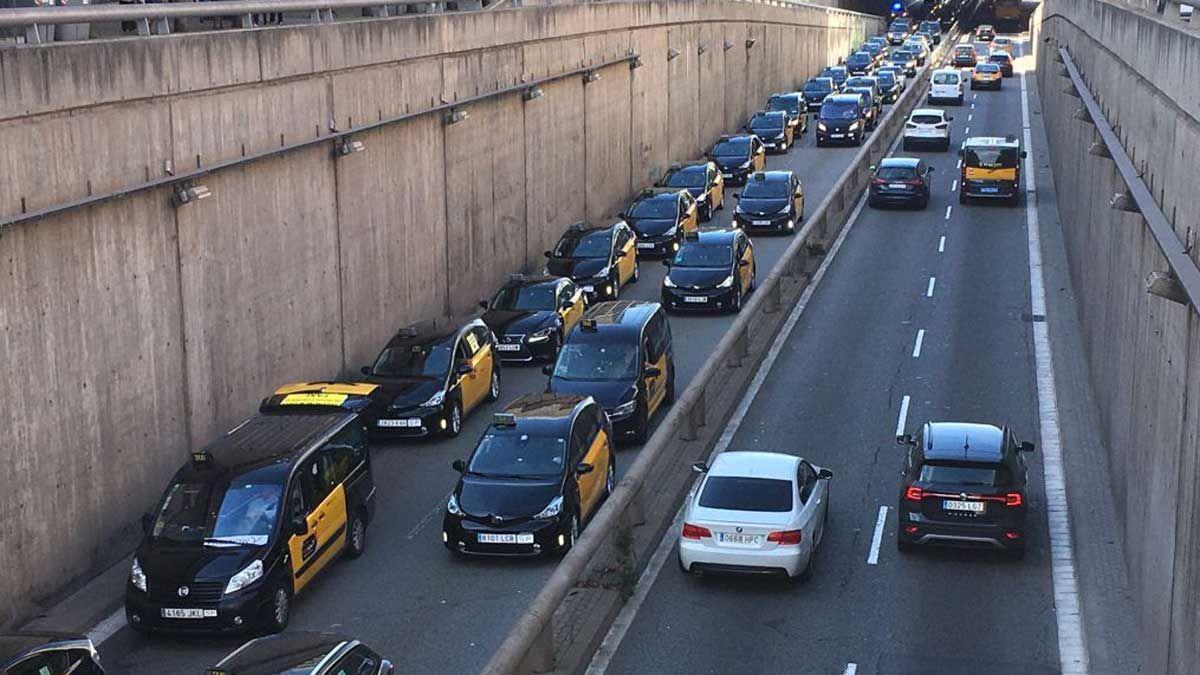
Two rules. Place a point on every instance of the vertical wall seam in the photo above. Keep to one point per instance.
(185, 364)
(446, 308)
(337, 230)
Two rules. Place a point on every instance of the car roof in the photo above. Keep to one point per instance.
(709, 236)
(991, 142)
(270, 437)
(617, 314)
(906, 162)
(844, 98)
(755, 464)
(964, 442)
(278, 653)
(15, 645)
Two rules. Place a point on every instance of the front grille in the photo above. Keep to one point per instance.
(199, 593)
(513, 338)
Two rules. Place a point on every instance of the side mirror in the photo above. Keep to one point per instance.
(872, 167)
(949, 118)
(700, 467)
(299, 526)
(386, 668)
(548, 369)
(365, 370)
(1023, 154)
(1026, 446)
(464, 369)
(651, 371)
(905, 439)
(483, 304)
(547, 254)
(666, 262)
(458, 465)
(623, 216)
(583, 468)
(960, 152)
(619, 255)
(147, 523)
(824, 474)
(930, 168)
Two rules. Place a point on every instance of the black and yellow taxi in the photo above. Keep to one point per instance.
(987, 75)
(303, 653)
(771, 201)
(773, 128)
(49, 653)
(252, 518)
(738, 156)
(795, 105)
(601, 259)
(622, 354)
(703, 180)
(536, 477)
(713, 270)
(660, 217)
(991, 169)
(529, 316)
(427, 379)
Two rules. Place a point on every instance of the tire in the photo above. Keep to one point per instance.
(923, 204)
(737, 301)
(610, 481)
(669, 399)
(960, 100)
(616, 285)
(454, 420)
(906, 146)
(905, 547)
(356, 536)
(494, 385)
(946, 146)
(962, 198)
(706, 214)
(753, 280)
(637, 272)
(278, 612)
(555, 346)
(1015, 554)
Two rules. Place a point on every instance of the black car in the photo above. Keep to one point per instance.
(899, 30)
(773, 128)
(964, 485)
(738, 156)
(621, 354)
(249, 522)
(714, 270)
(934, 29)
(44, 652)
(842, 120)
(538, 474)
(889, 86)
(907, 60)
(815, 90)
(661, 216)
(794, 104)
(871, 108)
(964, 56)
(771, 201)
(601, 259)
(860, 63)
(870, 82)
(836, 73)
(702, 180)
(1004, 60)
(900, 181)
(875, 49)
(530, 315)
(303, 653)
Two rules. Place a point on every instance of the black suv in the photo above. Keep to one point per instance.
(816, 89)
(860, 63)
(842, 119)
(964, 485)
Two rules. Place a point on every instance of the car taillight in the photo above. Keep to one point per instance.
(878, 181)
(695, 531)
(914, 494)
(910, 125)
(940, 125)
(1013, 499)
(786, 537)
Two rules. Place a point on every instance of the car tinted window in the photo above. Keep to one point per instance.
(990, 158)
(887, 79)
(359, 661)
(738, 147)
(592, 245)
(747, 494)
(409, 360)
(945, 78)
(788, 103)
(686, 178)
(817, 86)
(655, 208)
(766, 189)
(965, 474)
(839, 110)
(926, 119)
(702, 255)
(987, 68)
(46, 663)
(525, 298)
(516, 454)
(762, 121)
(592, 361)
(895, 173)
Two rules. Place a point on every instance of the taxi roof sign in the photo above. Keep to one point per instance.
(201, 458)
(315, 398)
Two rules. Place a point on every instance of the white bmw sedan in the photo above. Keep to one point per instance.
(755, 512)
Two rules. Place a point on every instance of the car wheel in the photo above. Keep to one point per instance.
(278, 612)
(753, 279)
(616, 286)
(670, 396)
(494, 387)
(1015, 554)
(610, 481)
(454, 420)
(906, 145)
(555, 346)
(737, 300)
(960, 100)
(923, 203)
(356, 538)
(706, 213)
(962, 197)
(637, 272)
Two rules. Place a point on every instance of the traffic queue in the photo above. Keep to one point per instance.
(252, 519)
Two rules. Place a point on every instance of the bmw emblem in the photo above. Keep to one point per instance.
(183, 591)
(738, 528)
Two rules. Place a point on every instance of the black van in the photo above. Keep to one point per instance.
(251, 519)
(842, 120)
(621, 354)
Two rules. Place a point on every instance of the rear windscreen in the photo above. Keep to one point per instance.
(964, 474)
(990, 158)
(896, 173)
(945, 78)
(747, 494)
(926, 119)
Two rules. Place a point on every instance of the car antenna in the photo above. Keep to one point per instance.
(966, 442)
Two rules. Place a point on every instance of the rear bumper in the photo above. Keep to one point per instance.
(927, 140)
(1002, 534)
(989, 189)
(699, 556)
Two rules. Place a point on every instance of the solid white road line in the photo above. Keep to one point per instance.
(917, 345)
(877, 538)
(1072, 640)
(902, 419)
(107, 628)
(929, 290)
(948, 209)
(851, 669)
(942, 244)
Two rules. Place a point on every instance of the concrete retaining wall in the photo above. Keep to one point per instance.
(134, 331)
(1144, 351)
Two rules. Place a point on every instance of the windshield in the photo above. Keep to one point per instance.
(983, 475)
(859, 57)
(520, 455)
(816, 87)
(987, 68)
(738, 148)
(409, 360)
(687, 179)
(766, 189)
(594, 361)
(990, 158)
(945, 78)
(654, 208)
(783, 103)
(839, 110)
(701, 255)
(592, 245)
(246, 514)
(747, 494)
(964, 50)
(861, 82)
(998, 58)
(539, 298)
(887, 79)
(766, 122)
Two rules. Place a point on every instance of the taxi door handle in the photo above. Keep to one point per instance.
(320, 517)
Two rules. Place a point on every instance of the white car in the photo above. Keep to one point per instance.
(757, 513)
(946, 84)
(927, 126)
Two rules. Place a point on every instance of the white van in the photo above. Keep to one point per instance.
(946, 85)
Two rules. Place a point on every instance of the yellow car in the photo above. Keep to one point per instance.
(599, 259)
(987, 76)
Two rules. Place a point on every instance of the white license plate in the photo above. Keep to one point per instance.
(837, 135)
(408, 423)
(897, 186)
(490, 538)
(695, 298)
(589, 289)
(956, 505)
(727, 174)
(760, 222)
(987, 189)
(170, 613)
(645, 244)
(508, 348)
(741, 539)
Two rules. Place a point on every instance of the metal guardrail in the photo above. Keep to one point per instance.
(1183, 284)
(626, 530)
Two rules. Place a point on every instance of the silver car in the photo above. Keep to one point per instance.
(756, 513)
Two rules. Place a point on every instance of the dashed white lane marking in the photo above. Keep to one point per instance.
(959, 164)
(1072, 640)
(877, 538)
(967, 131)
(851, 669)
(969, 117)
(426, 519)
(942, 244)
(948, 210)
(902, 419)
(929, 290)
(954, 186)
(972, 106)
(917, 345)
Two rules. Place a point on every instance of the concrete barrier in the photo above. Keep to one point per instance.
(1143, 349)
(566, 622)
(135, 330)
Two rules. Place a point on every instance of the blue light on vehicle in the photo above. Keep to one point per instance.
(896, 6)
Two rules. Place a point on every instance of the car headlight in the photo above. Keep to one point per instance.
(452, 506)
(137, 576)
(668, 283)
(625, 409)
(435, 400)
(543, 334)
(604, 271)
(552, 509)
(745, 164)
(727, 283)
(853, 126)
(820, 126)
(251, 574)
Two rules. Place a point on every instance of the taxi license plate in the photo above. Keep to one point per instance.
(956, 505)
(761, 222)
(589, 289)
(508, 348)
(741, 539)
(410, 422)
(645, 244)
(175, 613)
(695, 298)
(491, 538)
(987, 189)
